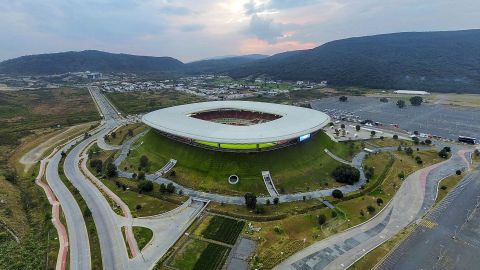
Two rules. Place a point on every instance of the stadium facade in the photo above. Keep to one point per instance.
(239, 126)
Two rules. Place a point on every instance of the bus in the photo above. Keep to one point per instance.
(468, 140)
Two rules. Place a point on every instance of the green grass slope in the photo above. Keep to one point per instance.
(296, 168)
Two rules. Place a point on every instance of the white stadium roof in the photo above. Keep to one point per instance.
(295, 122)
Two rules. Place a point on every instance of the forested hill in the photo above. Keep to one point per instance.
(56, 63)
(439, 61)
(434, 61)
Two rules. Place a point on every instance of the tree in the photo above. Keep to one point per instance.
(163, 188)
(346, 174)
(443, 153)
(141, 176)
(322, 219)
(369, 172)
(250, 200)
(371, 209)
(372, 133)
(170, 188)
(342, 126)
(384, 99)
(96, 164)
(130, 133)
(114, 134)
(428, 141)
(379, 201)
(145, 186)
(343, 99)
(143, 161)
(275, 200)
(111, 170)
(337, 193)
(419, 160)
(416, 101)
(447, 149)
(395, 137)
(268, 202)
(409, 151)
(357, 127)
(458, 172)
(400, 103)
(401, 175)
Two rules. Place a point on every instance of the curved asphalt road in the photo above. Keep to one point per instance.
(77, 230)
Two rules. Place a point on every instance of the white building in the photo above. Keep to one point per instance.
(410, 92)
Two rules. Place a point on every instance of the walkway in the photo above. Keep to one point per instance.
(410, 202)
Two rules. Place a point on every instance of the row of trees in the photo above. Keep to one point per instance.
(415, 101)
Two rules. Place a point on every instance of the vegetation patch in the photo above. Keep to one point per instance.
(142, 235)
(212, 258)
(223, 229)
(189, 255)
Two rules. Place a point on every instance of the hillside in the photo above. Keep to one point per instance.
(219, 65)
(56, 63)
(441, 61)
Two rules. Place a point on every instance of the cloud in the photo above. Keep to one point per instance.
(191, 27)
(265, 29)
(175, 10)
(253, 7)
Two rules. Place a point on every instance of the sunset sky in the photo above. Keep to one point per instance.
(197, 29)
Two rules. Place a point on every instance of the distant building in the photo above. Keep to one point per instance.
(409, 92)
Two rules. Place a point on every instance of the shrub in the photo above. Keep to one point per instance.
(144, 161)
(97, 165)
(111, 170)
(428, 141)
(170, 188)
(334, 214)
(458, 172)
(141, 176)
(416, 100)
(163, 188)
(343, 99)
(11, 176)
(357, 127)
(145, 186)
(337, 193)
(251, 200)
(369, 172)
(362, 213)
(371, 209)
(138, 206)
(443, 187)
(346, 174)
(278, 230)
(395, 137)
(379, 201)
(268, 202)
(443, 153)
(401, 175)
(400, 103)
(260, 210)
(322, 219)
(275, 200)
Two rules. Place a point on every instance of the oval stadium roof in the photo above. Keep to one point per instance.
(295, 122)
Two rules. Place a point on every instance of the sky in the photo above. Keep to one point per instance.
(197, 29)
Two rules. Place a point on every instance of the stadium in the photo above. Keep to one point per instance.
(237, 126)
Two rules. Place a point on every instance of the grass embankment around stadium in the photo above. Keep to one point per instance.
(296, 168)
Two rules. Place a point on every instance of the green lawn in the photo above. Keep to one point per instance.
(149, 204)
(142, 235)
(187, 258)
(296, 168)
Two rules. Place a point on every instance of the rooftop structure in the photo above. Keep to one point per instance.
(411, 92)
(239, 125)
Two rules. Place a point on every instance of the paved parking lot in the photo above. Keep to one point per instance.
(445, 121)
